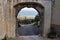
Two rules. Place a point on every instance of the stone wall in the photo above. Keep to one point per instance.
(56, 13)
(47, 16)
(2, 20)
(8, 20)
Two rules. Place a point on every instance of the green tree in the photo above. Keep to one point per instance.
(36, 20)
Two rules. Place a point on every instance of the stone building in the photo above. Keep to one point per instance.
(10, 8)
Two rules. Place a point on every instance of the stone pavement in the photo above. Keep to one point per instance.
(32, 38)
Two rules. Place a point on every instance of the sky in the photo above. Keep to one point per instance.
(27, 12)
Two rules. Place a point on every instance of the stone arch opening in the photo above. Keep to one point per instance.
(28, 22)
(34, 5)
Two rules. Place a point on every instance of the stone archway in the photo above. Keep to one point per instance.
(8, 19)
(34, 5)
(14, 8)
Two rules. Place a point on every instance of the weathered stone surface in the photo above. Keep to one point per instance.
(8, 16)
(8, 19)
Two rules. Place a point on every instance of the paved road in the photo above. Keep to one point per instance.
(28, 30)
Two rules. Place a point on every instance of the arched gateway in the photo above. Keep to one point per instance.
(41, 7)
(34, 5)
(10, 9)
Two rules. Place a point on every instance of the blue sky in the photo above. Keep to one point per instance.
(27, 12)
